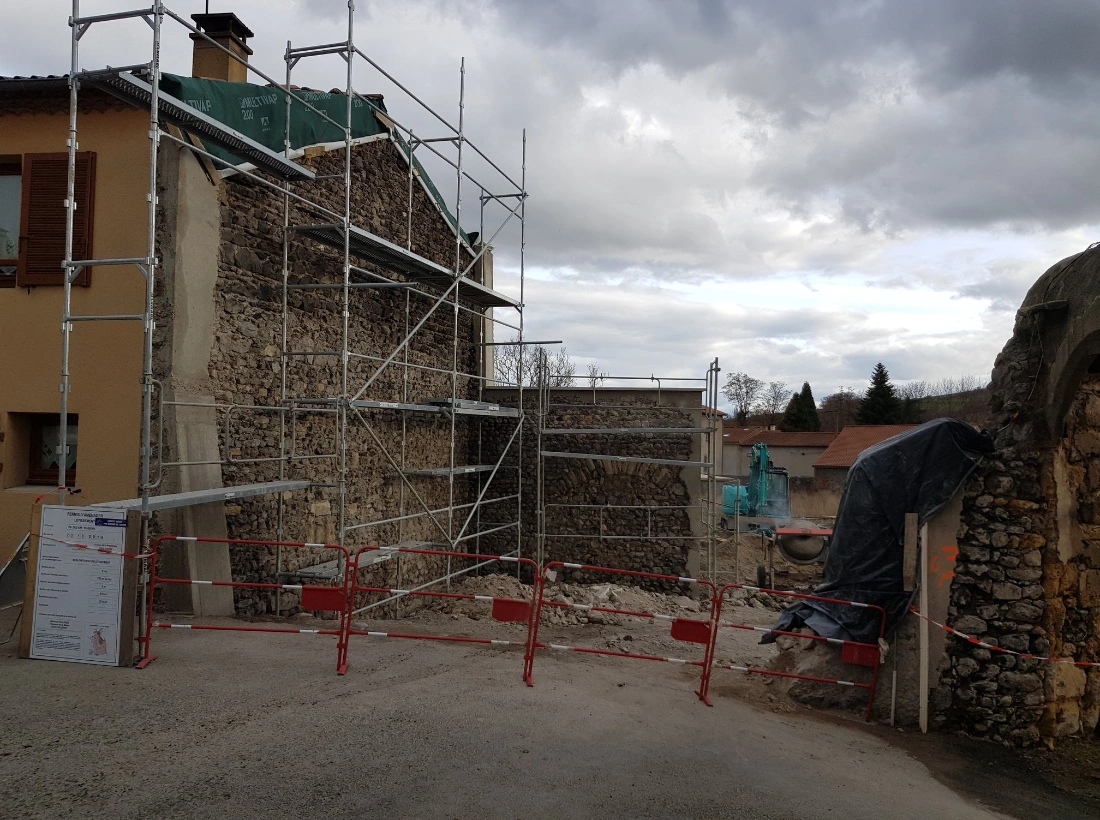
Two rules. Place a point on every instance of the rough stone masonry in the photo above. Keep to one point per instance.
(246, 366)
(1028, 571)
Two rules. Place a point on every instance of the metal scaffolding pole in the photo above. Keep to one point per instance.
(470, 302)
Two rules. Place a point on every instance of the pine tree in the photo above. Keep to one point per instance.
(790, 421)
(801, 415)
(881, 404)
(810, 421)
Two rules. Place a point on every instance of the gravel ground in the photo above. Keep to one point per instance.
(227, 724)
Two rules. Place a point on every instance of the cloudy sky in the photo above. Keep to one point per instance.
(799, 188)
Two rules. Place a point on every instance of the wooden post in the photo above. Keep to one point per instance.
(923, 626)
(909, 554)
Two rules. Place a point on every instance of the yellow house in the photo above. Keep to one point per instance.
(105, 398)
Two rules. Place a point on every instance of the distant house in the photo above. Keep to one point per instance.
(831, 467)
(797, 452)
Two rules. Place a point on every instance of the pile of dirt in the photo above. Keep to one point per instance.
(495, 585)
(611, 596)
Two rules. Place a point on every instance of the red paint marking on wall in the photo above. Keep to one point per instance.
(941, 564)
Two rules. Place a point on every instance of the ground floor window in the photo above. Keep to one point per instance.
(45, 451)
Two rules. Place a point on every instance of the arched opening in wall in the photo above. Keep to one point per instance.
(1072, 578)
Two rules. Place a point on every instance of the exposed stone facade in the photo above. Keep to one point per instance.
(247, 368)
(1028, 570)
(573, 532)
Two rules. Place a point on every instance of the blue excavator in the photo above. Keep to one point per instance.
(763, 505)
(766, 495)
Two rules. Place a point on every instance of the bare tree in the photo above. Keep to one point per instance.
(948, 386)
(915, 390)
(595, 376)
(776, 396)
(839, 409)
(744, 391)
(515, 364)
(560, 369)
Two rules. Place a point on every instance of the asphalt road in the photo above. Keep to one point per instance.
(246, 726)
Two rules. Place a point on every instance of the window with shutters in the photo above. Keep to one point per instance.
(42, 217)
(11, 180)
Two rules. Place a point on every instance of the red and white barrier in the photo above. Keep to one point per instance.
(316, 598)
(505, 610)
(689, 630)
(341, 599)
(853, 652)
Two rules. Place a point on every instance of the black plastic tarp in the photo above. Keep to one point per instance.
(916, 471)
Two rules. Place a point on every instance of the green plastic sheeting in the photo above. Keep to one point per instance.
(259, 112)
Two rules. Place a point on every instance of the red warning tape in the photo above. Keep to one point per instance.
(984, 645)
(90, 548)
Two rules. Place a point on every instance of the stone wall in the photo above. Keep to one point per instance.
(246, 367)
(1028, 571)
(573, 531)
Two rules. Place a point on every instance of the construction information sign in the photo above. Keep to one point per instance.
(78, 592)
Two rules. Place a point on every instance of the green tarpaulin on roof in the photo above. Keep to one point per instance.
(259, 112)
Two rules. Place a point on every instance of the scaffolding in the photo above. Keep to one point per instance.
(372, 391)
(626, 523)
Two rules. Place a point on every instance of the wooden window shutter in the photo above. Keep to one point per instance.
(42, 221)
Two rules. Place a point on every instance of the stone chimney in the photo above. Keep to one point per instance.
(211, 62)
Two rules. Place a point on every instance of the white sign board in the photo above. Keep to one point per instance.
(78, 592)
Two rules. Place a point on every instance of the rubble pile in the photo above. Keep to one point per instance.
(606, 595)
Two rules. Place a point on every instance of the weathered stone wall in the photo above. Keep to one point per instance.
(1028, 571)
(247, 369)
(575, 490)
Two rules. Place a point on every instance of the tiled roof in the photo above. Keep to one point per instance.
(732, 434)
(856, 438)
(778, 438)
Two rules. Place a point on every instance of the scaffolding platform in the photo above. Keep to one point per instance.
(469, 469)
(473, 407)
(325, 571)
(190, 499)
(619, 431)
(329, 570)
(126, 86)
(631, 459)
(365, 245)
(483, 408)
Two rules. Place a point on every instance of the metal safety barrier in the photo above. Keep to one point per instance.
(314, 598)
(505, 610)
(689, 630)
(853, 652)
(341, 598)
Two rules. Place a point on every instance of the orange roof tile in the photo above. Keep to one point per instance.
(854, 439)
